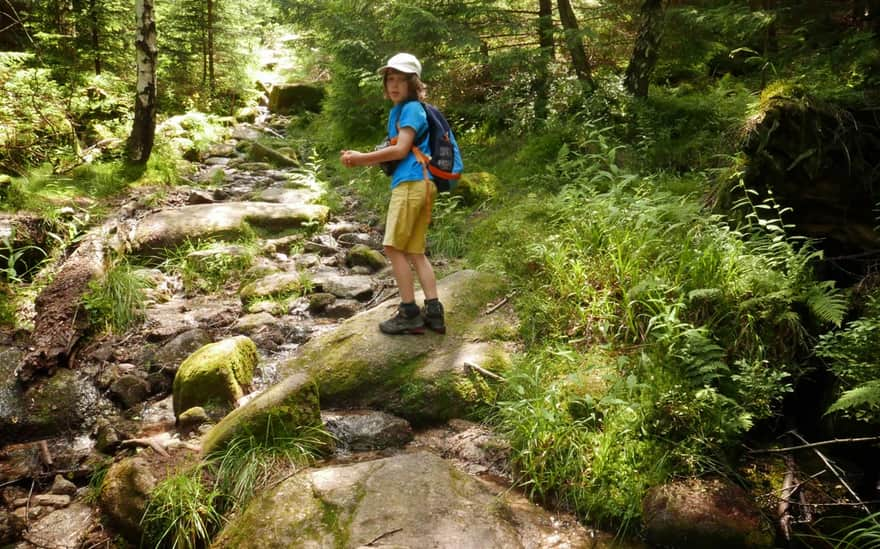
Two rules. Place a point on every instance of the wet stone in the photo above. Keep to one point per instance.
(367, 429)
(322, 244)
(62, 486)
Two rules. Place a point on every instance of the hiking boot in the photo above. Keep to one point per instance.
(433, 315)
(404, 322)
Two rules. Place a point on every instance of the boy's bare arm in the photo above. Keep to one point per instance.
(394, 152)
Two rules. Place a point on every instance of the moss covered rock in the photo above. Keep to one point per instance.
(410, 500)
(423, 379)
(477, 187)
(364, 256)
(215, 375)
(124, 494)
(286, 409)
(295, 98)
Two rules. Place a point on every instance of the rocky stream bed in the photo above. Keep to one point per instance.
(407, 468)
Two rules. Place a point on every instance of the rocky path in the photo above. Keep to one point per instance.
(302, 272)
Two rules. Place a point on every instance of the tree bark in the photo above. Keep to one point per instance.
(60, 319)
(545, 42)
(140, 143)
(575, 45)
(211, 47)
(647, 48)
(96, 37)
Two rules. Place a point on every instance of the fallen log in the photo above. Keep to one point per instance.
(61, 319)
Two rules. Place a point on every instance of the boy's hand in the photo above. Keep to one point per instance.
(350, 158)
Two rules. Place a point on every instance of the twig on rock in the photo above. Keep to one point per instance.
(471, 366)
(380, 536)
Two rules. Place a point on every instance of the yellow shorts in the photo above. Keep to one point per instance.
(406, 226)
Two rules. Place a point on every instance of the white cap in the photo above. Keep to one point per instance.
(403, 62)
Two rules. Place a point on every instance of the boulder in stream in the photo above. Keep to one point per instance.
(215, 375)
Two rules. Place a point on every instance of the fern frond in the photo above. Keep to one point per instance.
(866, 395)
(827, 302)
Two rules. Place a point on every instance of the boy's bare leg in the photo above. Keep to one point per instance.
(425, 272)
(402, 274)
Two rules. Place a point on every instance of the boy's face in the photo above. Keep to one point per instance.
(397, 85)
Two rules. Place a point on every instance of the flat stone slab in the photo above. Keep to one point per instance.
(409, 500)
(170, 228)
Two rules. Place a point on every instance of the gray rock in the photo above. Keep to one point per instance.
(411, 500)
(181, 346)
(246, 132)
(342, 308)
(169, 228)
(367, 429)
(130, 390)
(63, 528)
(347, 287)
(322, 244)
(62, 486)
(288, 196)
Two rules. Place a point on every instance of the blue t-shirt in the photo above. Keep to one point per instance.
(412, 115)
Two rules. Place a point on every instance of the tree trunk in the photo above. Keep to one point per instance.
(140, 143)
(647, 48)
(575, 45)
(96, 37)
(211, 47)
(545, 41)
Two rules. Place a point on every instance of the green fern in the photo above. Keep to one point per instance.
(826, 302)
(864, 400)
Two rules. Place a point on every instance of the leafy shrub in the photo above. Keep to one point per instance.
(706, 316)
(853, 356)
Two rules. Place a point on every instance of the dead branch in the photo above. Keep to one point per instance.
(148, 442)
(380, 536)
(45, 454)
(471, 366)
(498, 305)
(789, 486)
(834, 470)
(815, 445)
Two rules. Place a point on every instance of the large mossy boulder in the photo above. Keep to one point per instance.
(698, 513)
(477, 187)
(215, 375)
(423, 379)
(295, 98)
(409, 500)
(287, 409)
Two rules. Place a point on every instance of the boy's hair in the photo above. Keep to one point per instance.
(417, 88)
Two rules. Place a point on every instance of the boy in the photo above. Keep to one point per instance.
(412, 196)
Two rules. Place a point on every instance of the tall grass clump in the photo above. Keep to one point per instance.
(181, 513)
(188, 508)
(703, 318)
(117, 301)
